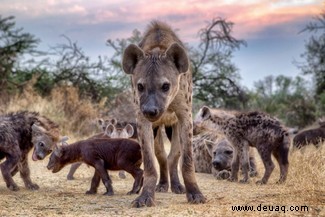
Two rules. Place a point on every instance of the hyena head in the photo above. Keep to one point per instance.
(44, 142)
(104, 123)
(155, 76)
(211, 119)
(221, 153)
(56, 162)
(114, 132)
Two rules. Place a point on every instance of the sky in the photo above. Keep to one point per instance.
(270, 27)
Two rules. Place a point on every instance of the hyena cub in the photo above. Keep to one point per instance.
(250, 129)
(113, 129)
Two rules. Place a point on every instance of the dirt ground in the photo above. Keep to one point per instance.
(59, 197)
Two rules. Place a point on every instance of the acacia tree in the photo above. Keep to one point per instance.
(14, 43)
(215, 77)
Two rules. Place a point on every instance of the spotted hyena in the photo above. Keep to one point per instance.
(19, 133)
(315, 136)
(255, 129)
(162, 86)
(113, 129)
(213, 154)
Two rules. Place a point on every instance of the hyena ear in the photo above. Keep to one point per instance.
(209, 146)
(100, 121)
(36, 129)
(109, 130)
(63, 140)
(58, 151)
(179, 57)
(129, 129)
(113, 121)
(205, 113)
(131, 57)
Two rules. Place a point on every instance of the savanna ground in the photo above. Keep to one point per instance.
(57, 196)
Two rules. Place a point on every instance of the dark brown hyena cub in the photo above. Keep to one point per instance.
(103, 155)
(19, 133)
(113, 129)
(250, 129)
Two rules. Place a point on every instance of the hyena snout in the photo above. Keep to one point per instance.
(219, 165)
(150, 112)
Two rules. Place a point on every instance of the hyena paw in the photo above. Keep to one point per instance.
(109, 193)
(233, 179)
(32, 186)
(260, 182)
(143, 200)
(224, 174)
(13, 187)
(91, 192)
(253, 173)
(244, 181)
(70, 177)
(162, 187)
(178, 188)
(195, 198)
(121, 174)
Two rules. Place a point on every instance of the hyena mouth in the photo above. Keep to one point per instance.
(36, 157)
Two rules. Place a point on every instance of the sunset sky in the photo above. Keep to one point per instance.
(270, 27)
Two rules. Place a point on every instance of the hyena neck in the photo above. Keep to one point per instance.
(72, 153)
(221, 123)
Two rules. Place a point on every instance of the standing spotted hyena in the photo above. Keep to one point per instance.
(162, 86)
(250, 129)
(19, 133)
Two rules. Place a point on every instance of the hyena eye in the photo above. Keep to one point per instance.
(228, 152)
(165, 87)
(41, 144)
(140, 87)
(214, 153)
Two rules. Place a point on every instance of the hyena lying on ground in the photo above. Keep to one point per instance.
(221, 153)
(19, 133)
(213, 154)
(162, 87)
(113, 130)
(102, 154)
(250, 129)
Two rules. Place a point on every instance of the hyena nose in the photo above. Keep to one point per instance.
(150, 112)
(216, 164)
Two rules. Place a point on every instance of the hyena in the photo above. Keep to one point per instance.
(102, 154)
(162, 85)
(255, 129)
(314, 136)
(221, 153)
(121, 130)
(19, 133)
(213, 153)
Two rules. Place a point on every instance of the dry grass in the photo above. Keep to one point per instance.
(59, 197)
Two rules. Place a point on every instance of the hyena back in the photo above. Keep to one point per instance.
(250, 129)
(162, 86)
(19, 133)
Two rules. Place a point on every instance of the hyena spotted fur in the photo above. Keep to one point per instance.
(162, 85)
(19, 133)
(255, 129)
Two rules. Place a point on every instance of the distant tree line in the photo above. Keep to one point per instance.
(216, 78)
